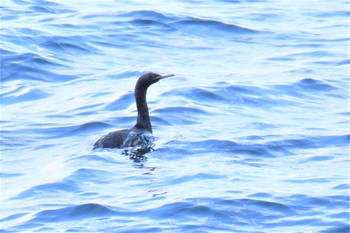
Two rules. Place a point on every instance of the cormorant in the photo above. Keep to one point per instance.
(141, 133)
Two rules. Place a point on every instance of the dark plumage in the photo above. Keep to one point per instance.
(141, 133)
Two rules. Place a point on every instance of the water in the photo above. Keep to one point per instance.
(252, 133)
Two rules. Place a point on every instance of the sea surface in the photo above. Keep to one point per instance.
(252, 132)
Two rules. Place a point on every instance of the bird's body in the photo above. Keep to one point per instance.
(141, 133)
(125, 138)
(113, 139)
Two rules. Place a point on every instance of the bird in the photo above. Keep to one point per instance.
(141, 133)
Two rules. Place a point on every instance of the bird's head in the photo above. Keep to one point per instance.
(150, 78)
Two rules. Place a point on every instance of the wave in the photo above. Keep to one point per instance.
(147, 15)
(93, 159)
(177, 115)
(315, 84)
(233, 95)
(198, 176)
(268, 149)
(38, 7)
(73, 213)
(263, 209)
(197, 94)
(9, 175)
(22, 94)
(196, 25)
(71, 184)
(122, 103)
(239, 213)
(32, 66)
(50, 189)
(62, 131)
(224, 93)
(186, 24)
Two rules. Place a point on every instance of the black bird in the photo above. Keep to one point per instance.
(141, 133)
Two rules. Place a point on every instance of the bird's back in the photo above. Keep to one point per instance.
(126, 138)
(113, 139)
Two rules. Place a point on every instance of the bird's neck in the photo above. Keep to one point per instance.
(143, 119)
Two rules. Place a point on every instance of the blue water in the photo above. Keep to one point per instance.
(252, 132)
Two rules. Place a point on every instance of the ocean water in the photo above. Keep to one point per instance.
(252, 132)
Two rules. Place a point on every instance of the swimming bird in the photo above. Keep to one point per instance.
(141, 133)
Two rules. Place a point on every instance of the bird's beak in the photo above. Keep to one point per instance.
(165, 76)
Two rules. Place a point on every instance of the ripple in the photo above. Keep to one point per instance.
(170, 22)
(199, 176)
(89, 210)
(180, 110)
(60, 131)
(331, 14)
(31, 59)
(32, 67)
(50, 189)
(177, 115)
(260, 195)
(197, 94)
(268, 149)
(224, 146)
(69, 185)
(89, 175)
(252, 96)
(199, 26)
(146, 14)
(344, 228)
(41, 9)
(230, 211)
(342, 186)
(22, 94)
(316, 180)
(50, 8)
(152, 23)
(90, 126)
(122, 103)
(318, 159)
(314, 84)
(86, 159)
(9, 175)
(66, 47)
(12, 217)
